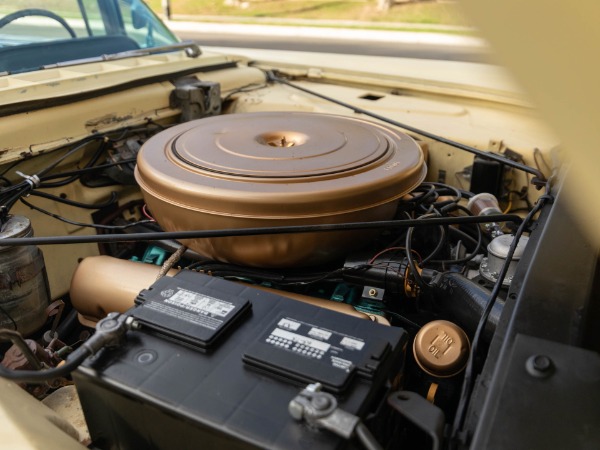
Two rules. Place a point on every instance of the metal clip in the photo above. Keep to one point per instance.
(33, 180)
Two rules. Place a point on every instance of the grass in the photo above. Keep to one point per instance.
(424, 13)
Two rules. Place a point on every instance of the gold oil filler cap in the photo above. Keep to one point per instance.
(441, 348)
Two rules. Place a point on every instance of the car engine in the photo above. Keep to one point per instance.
(271, 276)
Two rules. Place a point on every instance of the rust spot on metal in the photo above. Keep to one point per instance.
(107, 119)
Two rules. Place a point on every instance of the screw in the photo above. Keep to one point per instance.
(539, 366)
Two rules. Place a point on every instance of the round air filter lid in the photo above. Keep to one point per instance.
(279, 164)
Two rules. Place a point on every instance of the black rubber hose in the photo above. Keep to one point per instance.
(67, 325)
(464, 300)
(366, 438)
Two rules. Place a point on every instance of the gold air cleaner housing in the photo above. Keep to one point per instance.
(269, 169)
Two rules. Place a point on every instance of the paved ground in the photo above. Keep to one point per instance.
(412, 44)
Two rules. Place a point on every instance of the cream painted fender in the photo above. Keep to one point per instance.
(552, 48)
(26, 423)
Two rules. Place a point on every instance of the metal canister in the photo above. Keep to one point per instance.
(498, 250)
(24, 290)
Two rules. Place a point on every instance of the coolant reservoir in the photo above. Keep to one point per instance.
(24, 291)
(275, 169)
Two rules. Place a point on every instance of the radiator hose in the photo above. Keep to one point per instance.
(464, 301)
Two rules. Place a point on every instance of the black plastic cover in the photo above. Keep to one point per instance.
(308, 352)
(487, 176)
(183, 312)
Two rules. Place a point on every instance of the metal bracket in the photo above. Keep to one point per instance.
(420, 412)
(196, 99)
(320, 410)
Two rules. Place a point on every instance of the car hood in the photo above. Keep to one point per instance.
(553, 62)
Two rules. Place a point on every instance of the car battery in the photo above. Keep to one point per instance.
(215, 364)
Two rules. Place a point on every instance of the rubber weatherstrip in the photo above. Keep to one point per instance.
(33, 105)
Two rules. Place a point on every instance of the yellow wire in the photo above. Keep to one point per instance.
(509, 206)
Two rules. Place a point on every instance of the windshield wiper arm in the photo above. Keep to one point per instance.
(191, 49)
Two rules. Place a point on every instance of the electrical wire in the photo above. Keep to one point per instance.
(538, 158)
(478, 243)
(384, 251)
(411, 262)
(146, 214)
(25, 187)
(228, 232)
(281, 279)
(404, 319)
(495, 157)
(112, 200)
(438, 248)
(423, 197)
(509, 205)
(75, 149)
(95, 157)
(414, 269)
(90, 169)
(462, 235)
(40, 376)
(366, 438)
(468, 380)
(10, 194)
(83, 224)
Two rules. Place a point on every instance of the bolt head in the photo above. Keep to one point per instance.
(539, 366)
(108, 324)
(320, 402)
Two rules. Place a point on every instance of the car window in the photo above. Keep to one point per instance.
(35, 33)
(142, 25)
(38, 21)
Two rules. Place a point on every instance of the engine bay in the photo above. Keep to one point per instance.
(253, 265)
